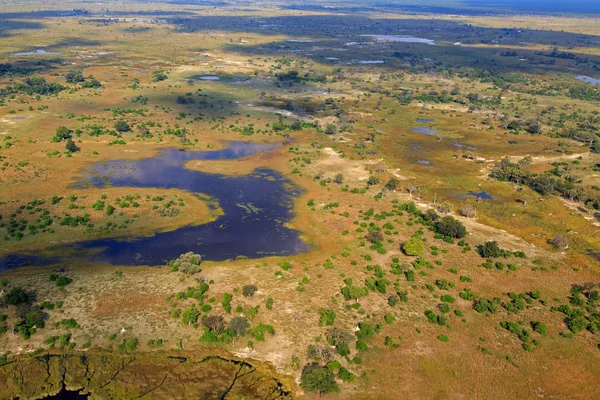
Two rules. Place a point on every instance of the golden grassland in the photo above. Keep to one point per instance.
(145, 219)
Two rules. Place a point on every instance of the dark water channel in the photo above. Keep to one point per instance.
(67, 395)
(256, 208)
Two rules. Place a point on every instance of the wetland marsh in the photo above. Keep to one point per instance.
(210, 200)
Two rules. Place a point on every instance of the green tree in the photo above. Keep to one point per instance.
(74, 76)
(190, 315)
(62, 133)
(16, 296)
(226, 302)
(577, 324)
(392, 184)
(63, 281)
(335, 336)
(35, 318)
(413, 246)
(70, 146)
(269, 303)
(327, 317)
(122, 126)
(539, 327)
(450, 226)
(188, 263)
(317, 378)
(342, 349)
(373, 180)
(490, 250)
(354, 292)
(158, 76)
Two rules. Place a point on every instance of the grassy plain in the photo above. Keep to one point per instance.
(465, 352)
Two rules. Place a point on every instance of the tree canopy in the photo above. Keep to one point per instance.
(317, 378)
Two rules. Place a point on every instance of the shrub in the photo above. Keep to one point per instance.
(335, 336)
(74, 76)
(490, 250)
(190, 315)
(443, 338)
(413, 246)
(467, 294)
(374, 236)
(351, 292)
(485, 305)
(63, 281)
(269, 303)
(17, 296)
(35, 319)
(122, 126)
(333, 365)
(226, 302)
(342, 349)
(444, 284)
(205, 308)
(259, 331)
(249, 290)
(365, 330)
(539, 327)
(129, 345)
(188, 263)
(327, 317)
(450, 226)
(286, 266)
(69, 323)
(238, 326)
(62, 133)
(346, 375)
(330, 129)
(50, 340)
(361, 345)
(392, 184)
(64, 340)
(577, 324)
(447, 299)
(373, 180)
(70, 146)
(158, 76)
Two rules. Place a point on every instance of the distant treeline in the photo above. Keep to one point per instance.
(557, 181)
(12, 69)
(32, 86)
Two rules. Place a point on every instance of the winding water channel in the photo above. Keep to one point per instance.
(256, 208)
